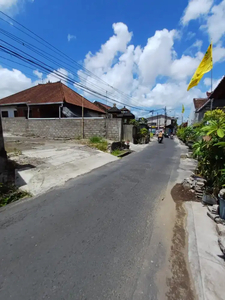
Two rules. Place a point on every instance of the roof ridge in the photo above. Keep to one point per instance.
(62, 90)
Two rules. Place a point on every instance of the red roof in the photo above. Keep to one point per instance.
(49, 93)
(199, 102)
(106, 107)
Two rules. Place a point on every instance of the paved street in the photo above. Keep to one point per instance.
(91, 238)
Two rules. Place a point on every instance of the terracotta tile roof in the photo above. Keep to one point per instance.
(106, 107)
(50, 93)
(199, 102)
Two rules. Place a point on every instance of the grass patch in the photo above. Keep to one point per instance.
(98, 143)
(118, 152)
(10, 193)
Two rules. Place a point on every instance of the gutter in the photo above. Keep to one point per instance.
(27, 103)
(9, 104)
(49, 103)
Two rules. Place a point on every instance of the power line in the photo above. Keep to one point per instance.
(53, 48)
(58, 74)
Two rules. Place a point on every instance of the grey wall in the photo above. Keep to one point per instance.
(3, 158)
(64, 128)
(128, 132)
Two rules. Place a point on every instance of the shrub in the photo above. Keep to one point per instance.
(99, 143)
(144, 132)
(95, 139)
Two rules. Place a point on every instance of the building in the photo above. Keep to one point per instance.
(123, 113)
(103, 106)
(159, 121)
(50, 100)
(214, 100)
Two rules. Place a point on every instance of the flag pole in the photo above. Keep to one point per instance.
(211, 80)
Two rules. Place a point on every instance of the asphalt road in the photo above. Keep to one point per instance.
(91, 238)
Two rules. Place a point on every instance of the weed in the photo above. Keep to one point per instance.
(10, 193)
(95, 139)
(99, 143)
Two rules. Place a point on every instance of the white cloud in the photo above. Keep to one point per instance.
(102, 60)
(195, 9)
(156, 56)
(38, 74)
(14, 81)
(215, 82)
(216, 22)
(198, 44)
(12, 6)
(53, 77)
(7, 4)
(135, 70)
(190, 35)
(71, 37)
(218, 53)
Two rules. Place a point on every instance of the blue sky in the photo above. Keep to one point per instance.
(147, 49)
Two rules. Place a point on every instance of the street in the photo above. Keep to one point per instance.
(92, 238)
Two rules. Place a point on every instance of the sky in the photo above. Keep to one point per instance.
(149, 50)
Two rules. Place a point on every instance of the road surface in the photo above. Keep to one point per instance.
(91, 239)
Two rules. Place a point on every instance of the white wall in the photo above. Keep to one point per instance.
(161, 121)
(9, 109)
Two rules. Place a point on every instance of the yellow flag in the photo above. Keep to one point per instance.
(205, 66)
(183, 109)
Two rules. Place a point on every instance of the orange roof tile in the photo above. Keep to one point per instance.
(50, 93)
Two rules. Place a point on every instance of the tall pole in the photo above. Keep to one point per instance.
(157, 122)
(211, 80)
(165, 119)
(82, 117)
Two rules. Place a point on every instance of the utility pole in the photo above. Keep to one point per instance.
(165, 118)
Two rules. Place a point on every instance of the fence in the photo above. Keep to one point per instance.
(65, 128)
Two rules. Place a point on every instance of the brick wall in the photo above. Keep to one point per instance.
(64, 128)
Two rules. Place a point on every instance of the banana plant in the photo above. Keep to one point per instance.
(215, 127)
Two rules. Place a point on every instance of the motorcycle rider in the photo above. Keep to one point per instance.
(160, 135)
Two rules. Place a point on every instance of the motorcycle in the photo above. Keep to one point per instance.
(160, 139)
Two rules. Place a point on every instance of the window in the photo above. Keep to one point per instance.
(5, 114)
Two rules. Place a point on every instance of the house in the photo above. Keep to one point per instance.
(50, 100)
(103, 106)
(159, 121)
(123, 113)
(195, 116)
(214, 100)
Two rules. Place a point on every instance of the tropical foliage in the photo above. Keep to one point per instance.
(208, 138)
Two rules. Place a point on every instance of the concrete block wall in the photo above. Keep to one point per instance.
(64, 128)
(14, 125)
(114, 129)
(3, 158)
